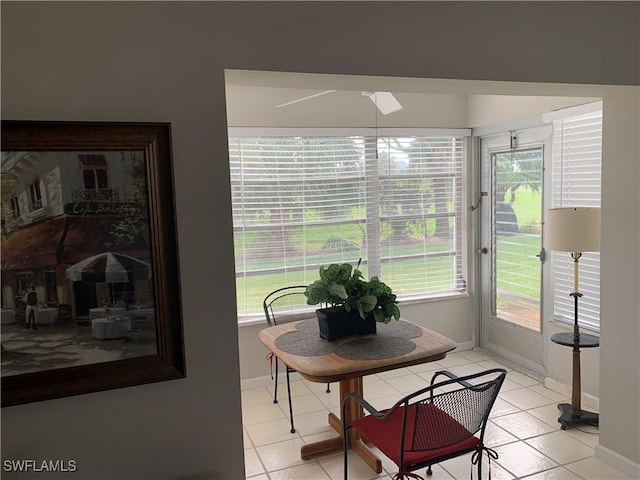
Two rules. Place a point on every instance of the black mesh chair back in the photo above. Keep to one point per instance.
(287, 304)
(442, 421)
(284, 305)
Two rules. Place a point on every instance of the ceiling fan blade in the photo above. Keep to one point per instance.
(385, 101)
(304, 98)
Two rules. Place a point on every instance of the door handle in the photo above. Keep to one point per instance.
(542, 255)
(483, 251)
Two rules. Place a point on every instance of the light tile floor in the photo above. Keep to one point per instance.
(523, 429)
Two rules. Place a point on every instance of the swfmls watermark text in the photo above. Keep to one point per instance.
(30, 465)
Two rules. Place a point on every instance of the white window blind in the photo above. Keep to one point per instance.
(577, 166)
(421, 204)
(302, 202)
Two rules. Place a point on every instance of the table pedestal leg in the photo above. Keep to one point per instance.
(353, 411)
(323, 447)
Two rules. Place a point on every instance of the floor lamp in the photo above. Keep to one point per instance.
(575, 230)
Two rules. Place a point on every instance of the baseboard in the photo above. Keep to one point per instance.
(463, 346)
(617, 461)
(521, 363)
(589, 402)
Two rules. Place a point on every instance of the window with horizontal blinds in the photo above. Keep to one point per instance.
(302, 202)
(421, 206)
(576, 167)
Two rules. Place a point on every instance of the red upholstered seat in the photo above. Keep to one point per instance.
(445, 438)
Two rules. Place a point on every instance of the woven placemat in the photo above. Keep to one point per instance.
(391, 340)
(305, 340)
(375, 348)
(400, 329)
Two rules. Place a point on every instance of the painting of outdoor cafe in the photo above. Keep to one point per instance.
(75, 238)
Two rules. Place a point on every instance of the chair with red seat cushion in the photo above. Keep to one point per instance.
(442, 421)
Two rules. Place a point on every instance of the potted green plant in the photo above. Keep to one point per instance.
(352, 305)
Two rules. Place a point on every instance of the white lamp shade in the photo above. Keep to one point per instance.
(572, 229)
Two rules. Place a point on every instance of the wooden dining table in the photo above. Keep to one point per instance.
(347, 360)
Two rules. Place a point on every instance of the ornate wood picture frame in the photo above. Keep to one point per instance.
(90, 277)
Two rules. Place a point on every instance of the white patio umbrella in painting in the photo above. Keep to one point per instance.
(110, 267)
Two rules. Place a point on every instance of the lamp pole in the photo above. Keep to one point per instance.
(576, 385)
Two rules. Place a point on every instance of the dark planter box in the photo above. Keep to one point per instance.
(335, 323)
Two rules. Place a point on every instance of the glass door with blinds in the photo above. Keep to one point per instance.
(511, 220)
(522, 173)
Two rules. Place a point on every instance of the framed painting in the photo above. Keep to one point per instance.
(90, 277)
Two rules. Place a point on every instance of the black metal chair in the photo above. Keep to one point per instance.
(439, 422)
(284, 305)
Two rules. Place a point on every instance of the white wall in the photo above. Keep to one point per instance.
(165, 61)
(485, 110)
(620, 279)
